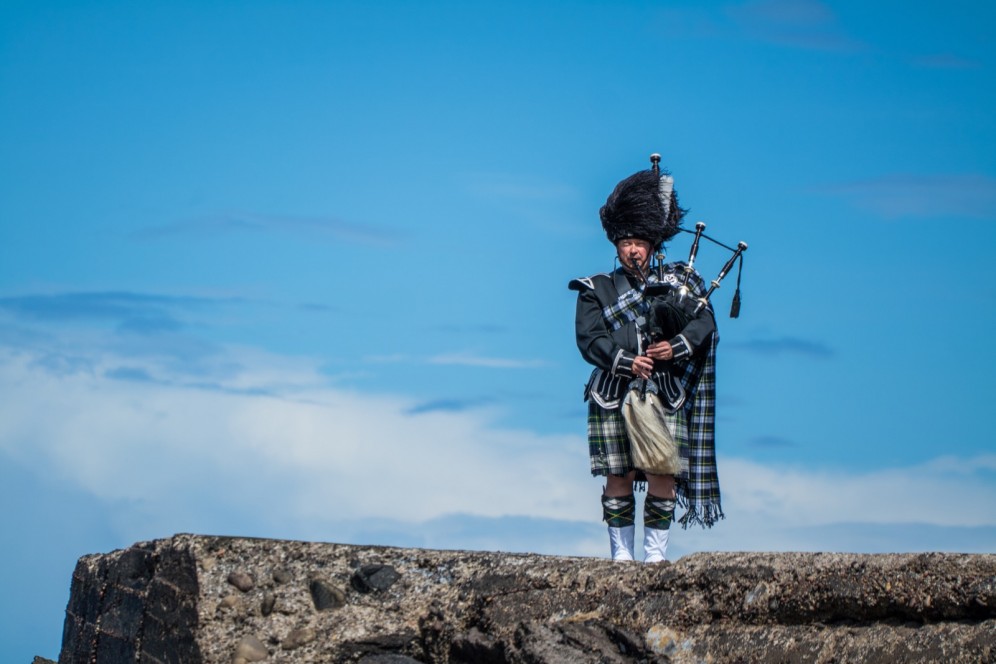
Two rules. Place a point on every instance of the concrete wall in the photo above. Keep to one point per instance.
(192, 599)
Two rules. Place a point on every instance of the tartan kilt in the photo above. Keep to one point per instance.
(609, 446)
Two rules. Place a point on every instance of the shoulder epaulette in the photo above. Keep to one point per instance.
(586, 283)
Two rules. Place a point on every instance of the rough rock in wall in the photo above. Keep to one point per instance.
(193, 599)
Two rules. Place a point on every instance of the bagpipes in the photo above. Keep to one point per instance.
(673, 306)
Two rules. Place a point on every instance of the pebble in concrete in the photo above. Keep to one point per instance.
(663, 640)
(374, 577)
(326, 596)
(298, 638)
(241, 580)
(230, 602)
(250, 649)
(266, 606)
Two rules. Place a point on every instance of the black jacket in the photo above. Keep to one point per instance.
(614, 350)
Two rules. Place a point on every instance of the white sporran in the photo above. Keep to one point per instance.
(652, 444)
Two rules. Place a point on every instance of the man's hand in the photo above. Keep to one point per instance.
(660, 351)
(643, 366)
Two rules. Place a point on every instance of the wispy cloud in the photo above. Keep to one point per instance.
(807, 24)
(770, 441)
(786, 346)
(900, 196)
(516, 187)
(317, 307)
(119, 305)
(141, 313)
(945, 61)
(322, 228)
(447, 406)
(476, 533)
(464, 359)
(393, 358)
(962, 491)
(691, 22)
(270, 447)
(129, 337)
(63, 363)
(129, 430)
(56, 328)
(473, 360)
(797, 24)
(129, 373)
(810, 25)
(484, 328)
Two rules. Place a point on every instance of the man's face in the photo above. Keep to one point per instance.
(633, 249)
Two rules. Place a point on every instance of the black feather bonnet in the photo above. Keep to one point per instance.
(643, 206)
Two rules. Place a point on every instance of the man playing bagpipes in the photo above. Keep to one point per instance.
(650, 333)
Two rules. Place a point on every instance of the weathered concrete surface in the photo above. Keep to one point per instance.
(193, 599)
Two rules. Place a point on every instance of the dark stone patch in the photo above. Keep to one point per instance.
(536, 642)
(85, 591)
(388, 659)
(179, 567)
(77, 636)
(113, 649)
(267, 604)
(628, 643)
(133, 569)
(170, 642)
(983, 597)
(164, 601)
(122, 613)
(388, 645)
(475, 647)
(497, 584)
(326, 596)
(374, 577)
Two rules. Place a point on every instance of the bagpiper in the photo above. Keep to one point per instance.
(648, 329)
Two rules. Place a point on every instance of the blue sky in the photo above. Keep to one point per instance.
(299, 270)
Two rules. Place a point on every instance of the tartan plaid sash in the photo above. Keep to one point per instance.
(698, 491)
(629, 308)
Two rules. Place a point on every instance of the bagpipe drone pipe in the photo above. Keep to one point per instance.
(674, 304)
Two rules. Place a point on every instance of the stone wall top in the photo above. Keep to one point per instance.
(193, 598)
